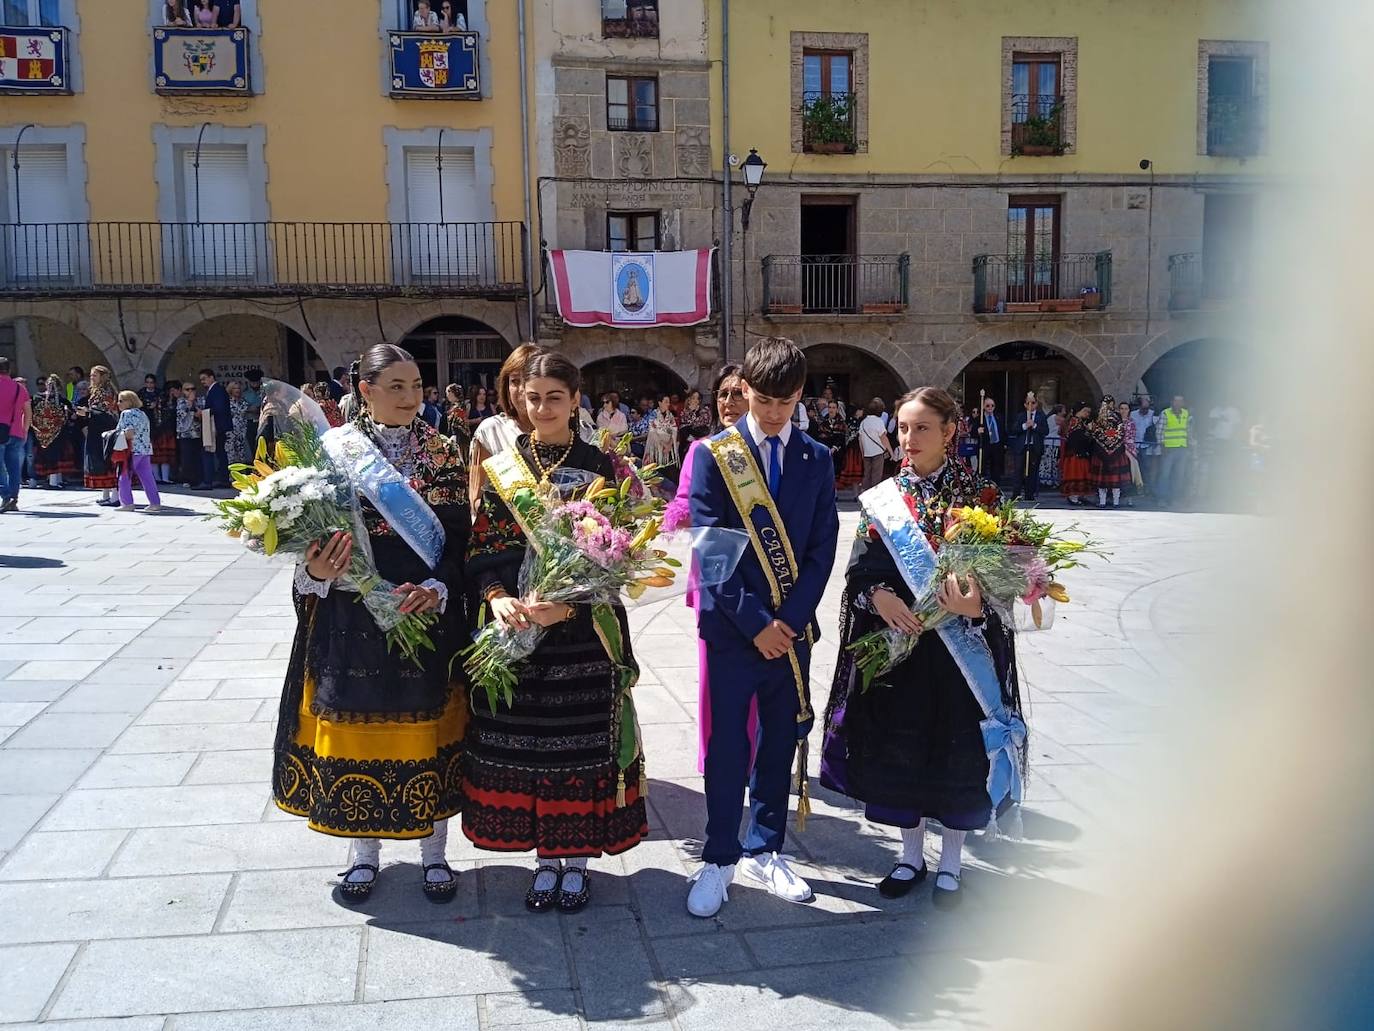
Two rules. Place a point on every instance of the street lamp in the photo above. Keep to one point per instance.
(753, 175)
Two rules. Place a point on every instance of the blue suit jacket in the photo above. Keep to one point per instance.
(732, 614)
(217, 400)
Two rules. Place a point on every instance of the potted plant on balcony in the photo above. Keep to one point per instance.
(1040, 135)
(827, 127)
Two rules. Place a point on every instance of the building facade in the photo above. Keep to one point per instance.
(1001, 196)
(625, 163)
(274, 191)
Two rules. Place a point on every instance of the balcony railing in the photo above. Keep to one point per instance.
(1199, 281)
(835, 284)
(1014, 284)
(436, 66)
(34, 59)
(828, 123)
(317, 259)
(632, 19)
(211, 61)
(1037, 125)
(1233, 126)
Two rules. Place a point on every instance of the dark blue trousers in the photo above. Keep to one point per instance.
(736, 676)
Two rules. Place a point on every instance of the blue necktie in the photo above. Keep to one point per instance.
(774, 465)
(992, 428)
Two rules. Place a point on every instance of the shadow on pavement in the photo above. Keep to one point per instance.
(29, 562)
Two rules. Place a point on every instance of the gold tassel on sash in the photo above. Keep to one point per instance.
(643, 778)
(620, 790)
(803, 790)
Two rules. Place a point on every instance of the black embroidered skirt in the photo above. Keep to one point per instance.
(542, 775)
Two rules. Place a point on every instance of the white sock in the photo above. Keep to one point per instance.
(952, 851)
(55, 480)
(1101, 495)
(545, 880)
(364, 850)
(105, 495)
(913, 851)
(1116, 495)
(432, 851)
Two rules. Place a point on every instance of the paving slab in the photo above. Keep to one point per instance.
(67, 910)
(28, 975)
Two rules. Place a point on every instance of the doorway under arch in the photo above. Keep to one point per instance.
(1206, 372)
(631, 377)
(234, 343)
(1007, 372)
(40, 347)
(457, 349)
(855, 376)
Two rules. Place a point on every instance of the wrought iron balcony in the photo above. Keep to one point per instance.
(1014, 284)
(1200, 281)
(828, 124)
(302, 259)
(1037, 125)
(629, 19)
(34, 59)
(436, 66)
(1233, 126)
(835, 284)
(201, 61)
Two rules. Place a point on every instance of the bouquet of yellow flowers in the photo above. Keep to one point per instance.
(1012, 555)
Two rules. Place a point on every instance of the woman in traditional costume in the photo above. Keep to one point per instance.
(660, 445)
(1111, 464)
(1075, 463)
(549, 772)
(926, 741)
(99, 412)
(499, 432)
(236, 440)
(368, 743)
(52, 416)
(730, 407)
(1049, 459)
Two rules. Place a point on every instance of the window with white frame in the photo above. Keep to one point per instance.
(446, 239)
(216, 207)
(42, 239)
(32, 12)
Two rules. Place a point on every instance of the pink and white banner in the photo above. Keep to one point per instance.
(659, 288)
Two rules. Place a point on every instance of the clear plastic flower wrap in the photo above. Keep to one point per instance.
(595, 543)
(303, 489)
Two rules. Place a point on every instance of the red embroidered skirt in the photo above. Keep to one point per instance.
(1111, 472)
(542, 774)
(1076, 476)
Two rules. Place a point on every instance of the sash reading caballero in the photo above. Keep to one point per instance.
(1004, 731)
(749, 490)
(508, 474)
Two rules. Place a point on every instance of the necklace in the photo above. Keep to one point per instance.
(546, 472)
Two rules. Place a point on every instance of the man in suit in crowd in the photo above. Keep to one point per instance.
(337, 383)
(759, 625)
(1027, 448)
(216, 464)
(992, 441)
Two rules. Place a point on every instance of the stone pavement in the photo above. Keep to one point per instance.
(145, 873)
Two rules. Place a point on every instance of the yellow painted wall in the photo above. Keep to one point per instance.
(323, 109)
(935, 74)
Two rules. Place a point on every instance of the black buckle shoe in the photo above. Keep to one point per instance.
(574, 901)
(357, 891)
(440, 892)
(947, 898)
(537, 901)
(891, 887)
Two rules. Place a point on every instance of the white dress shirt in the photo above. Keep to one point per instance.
(873, 437)
(761, 440)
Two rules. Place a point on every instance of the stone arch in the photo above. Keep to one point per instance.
(882, 379)
(46, 343)
(1206, 370)
(584, 349)
(1176, 336)
(898, 357)
(400, 319)
(595, 382)
(1082, 351)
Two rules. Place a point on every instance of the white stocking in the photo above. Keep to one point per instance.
(1116, 495)
(1101, 495)
(952, 851)
(574, 874)
(913, 851)
(432, 851)
(55, 480)
(364, 850)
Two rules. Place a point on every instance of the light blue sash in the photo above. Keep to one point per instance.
(1004, 732)
(371, 475)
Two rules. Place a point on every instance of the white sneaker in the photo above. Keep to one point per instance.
(771, 870)
(709, 889)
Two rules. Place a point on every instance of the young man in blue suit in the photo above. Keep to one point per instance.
(769, 478)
